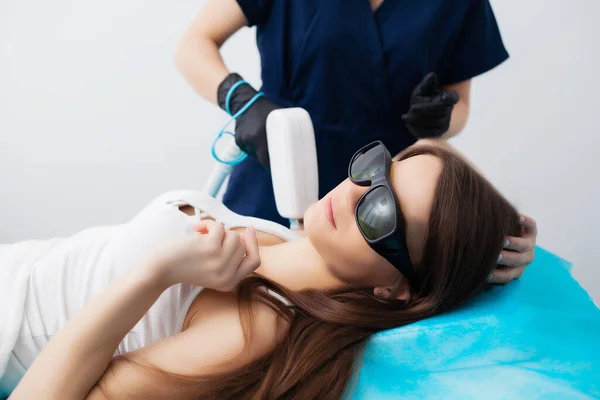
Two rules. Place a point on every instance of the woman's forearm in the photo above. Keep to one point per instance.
(78, 355)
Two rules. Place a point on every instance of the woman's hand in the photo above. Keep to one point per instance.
(214, 258)
(430, 109)
(518, 253)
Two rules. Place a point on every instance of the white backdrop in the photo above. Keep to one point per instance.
(95, 121)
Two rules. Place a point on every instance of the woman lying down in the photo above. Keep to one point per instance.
(188, 300)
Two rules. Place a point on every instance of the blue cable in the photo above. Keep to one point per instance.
(230, 93)
(222, 132)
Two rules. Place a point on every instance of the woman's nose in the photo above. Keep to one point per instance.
(353, 193)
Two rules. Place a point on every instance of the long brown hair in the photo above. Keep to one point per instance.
(327, 331)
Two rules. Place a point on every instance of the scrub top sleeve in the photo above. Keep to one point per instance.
(256, 11)
(479, 47)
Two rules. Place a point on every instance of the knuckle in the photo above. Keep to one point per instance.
(507, 259)
(254, 265)
(254, 260)
(214, 247)
(500, 280)
(523, 245)
(516, 241)
(516, 263)
(223, 279)
(531, 221)
(517, 273)
(516, 259)
(532, 224)
(529, 256)
(524, 259)
(217, 271)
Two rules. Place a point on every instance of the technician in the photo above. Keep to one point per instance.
(391, 70)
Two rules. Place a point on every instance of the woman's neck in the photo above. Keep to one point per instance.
(297, 266)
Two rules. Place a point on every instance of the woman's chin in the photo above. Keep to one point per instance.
(309, 216)
(314, 220)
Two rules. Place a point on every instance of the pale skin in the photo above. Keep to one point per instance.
(79, 363)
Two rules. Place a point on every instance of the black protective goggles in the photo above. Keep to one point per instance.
(378, 214)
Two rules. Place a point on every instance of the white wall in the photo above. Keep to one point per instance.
(534, 128)
(95, 120)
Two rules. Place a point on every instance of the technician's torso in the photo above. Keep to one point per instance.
(353, 69)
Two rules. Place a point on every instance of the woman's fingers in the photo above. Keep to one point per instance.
(502, 276)
(214, 230)
(428, 86)
(233, 247)
(529, 224)
(518, 244)
(200, 227)
(252, 260)
(510, 258)
(450, 98)
(520, 251)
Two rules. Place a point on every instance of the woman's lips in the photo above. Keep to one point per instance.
(329, 212)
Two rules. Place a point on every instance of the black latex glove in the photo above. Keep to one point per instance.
(250, 127)
(430, 109)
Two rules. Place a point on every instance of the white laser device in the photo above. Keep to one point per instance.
(227, 150)
(293, 159)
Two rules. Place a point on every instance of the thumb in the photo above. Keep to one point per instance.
(450, 98)
(252, 260)
(263, 156)
(204, 227)
(428, 86)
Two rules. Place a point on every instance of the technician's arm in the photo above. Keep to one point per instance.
(197, 56)
(460, 113)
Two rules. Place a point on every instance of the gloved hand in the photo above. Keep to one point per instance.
(250, 128)
(430, 109)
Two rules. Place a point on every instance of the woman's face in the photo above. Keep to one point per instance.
(331, 226)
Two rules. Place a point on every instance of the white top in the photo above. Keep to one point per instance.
(44, 283)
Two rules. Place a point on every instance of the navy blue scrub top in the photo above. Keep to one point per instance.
(354, 70)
